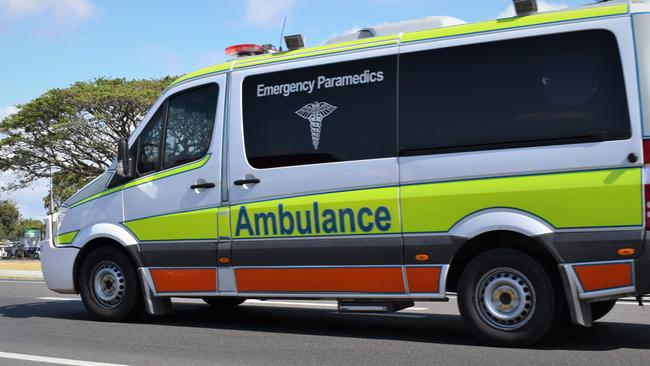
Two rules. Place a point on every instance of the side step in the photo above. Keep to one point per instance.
(373, 306)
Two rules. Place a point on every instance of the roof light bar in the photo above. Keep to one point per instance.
(247, 49)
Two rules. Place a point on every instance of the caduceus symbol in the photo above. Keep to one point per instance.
(315, 113)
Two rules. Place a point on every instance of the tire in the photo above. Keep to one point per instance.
(507, 299)
(601, 308)
(109, 285)
(223, 302)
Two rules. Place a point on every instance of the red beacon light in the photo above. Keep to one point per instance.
(249, 49)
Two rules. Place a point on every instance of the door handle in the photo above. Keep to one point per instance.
(203, 186)
(241, 182)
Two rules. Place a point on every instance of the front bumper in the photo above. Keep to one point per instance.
(57, 264)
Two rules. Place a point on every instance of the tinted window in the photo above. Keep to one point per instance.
(557, 89)
(322, 114)
(189, 125)
(149, 143)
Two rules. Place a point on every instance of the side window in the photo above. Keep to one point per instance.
(190, 122)
(322, 114)
(149, 143)
(546, 90)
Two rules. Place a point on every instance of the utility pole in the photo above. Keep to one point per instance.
(51, 191)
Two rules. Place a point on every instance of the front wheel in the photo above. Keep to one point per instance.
(109, 285)
(507, 299)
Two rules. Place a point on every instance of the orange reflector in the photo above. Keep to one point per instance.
(424, 279)
(224, 260)
(184, 280)
(625, 252)
(594, 277)
(422, 257)
(343, 279)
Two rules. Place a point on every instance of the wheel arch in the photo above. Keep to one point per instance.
(105, 235)
(503, 239)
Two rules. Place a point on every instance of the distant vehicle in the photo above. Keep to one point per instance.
(31, 242)
(5, 251)
(34, 253)
(18, 250)
(506, 161)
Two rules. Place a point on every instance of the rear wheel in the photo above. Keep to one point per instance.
(507, 298)
(109, 285)
(223, 302)
(600, 309)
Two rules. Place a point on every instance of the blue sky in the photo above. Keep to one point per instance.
(48, 44)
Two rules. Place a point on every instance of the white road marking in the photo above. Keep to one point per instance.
(53, 360)
(22, 281)
(59, 298)
(645, 298)
(387, 315)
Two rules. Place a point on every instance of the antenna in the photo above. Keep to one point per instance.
(282, 33)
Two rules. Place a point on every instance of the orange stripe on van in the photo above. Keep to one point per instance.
(604, 276)
(184, 280)
(374, 280)
(423, 279)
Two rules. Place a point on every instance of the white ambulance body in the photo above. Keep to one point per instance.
(501, 160)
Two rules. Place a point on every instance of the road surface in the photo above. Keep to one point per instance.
(35, 322)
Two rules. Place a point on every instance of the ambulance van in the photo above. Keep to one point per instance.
(502, 161)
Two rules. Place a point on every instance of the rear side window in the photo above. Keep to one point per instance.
(329, 113)
(546, 90)
(189, 125)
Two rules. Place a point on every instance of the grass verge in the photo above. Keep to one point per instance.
(24, 265)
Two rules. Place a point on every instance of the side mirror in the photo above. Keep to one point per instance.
(124, 161)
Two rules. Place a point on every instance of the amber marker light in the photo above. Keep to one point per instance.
(626, 252)
(422, 257)
(224, 260)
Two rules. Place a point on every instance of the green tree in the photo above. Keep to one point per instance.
(73, 131)
(65, 184)
(9, 219)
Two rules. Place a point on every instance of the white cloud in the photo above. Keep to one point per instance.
(356, 28)
(541, 5)
(75, 9)
(58, 14)
(268, 13)
(7, 111)
(29, 200)
(211, 58)
(171, 62)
